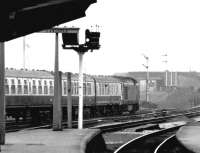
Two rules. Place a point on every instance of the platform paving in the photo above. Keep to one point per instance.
(189, 136)
(48, 141)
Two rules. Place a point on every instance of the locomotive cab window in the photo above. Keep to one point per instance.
(126, 93)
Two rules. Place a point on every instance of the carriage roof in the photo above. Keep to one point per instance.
(39, 74)
(43, 74)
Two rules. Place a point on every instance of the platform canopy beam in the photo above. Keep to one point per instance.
(21, 17)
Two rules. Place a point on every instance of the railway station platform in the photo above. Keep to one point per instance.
(48, 141)
(189, 136)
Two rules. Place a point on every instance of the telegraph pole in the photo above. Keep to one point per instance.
(147, 77)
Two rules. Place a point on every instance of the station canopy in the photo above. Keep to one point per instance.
(22, 17)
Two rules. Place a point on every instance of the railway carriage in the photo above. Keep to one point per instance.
(29, 94)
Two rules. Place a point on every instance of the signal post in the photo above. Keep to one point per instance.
(70, 37)
(71, 41)
(147, 77)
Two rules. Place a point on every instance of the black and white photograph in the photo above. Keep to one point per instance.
(100, 76)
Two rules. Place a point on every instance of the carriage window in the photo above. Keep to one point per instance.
(25, 87)
(118, 90)
(45, 87)
(6, 86)
(51, 87)
(114, 89)
(84, 88)
(89, 89)
(34, 87)
(39, 87)
(73, 88)
(110, 89)
(76, 88)
(13, 90)
(97, 89)
(65, 88)
(106, 89)
(19, 87)
(100, 89)
(103, 89)
(29, 87)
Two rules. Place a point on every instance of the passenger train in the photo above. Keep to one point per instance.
(29, 94)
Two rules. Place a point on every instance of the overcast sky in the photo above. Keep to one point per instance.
(128, 29)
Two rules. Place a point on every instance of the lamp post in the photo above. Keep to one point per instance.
(147, 77)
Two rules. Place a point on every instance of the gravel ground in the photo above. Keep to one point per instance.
(116, 139)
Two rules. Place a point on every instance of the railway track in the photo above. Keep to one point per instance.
(171, 145)
(12, 126)
(133, 123)
(147, 143)
(115, 122)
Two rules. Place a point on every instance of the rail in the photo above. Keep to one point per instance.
(171, 145)
(146, 143)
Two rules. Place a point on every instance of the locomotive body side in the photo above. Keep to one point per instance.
(130, 94)
(108, 95)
